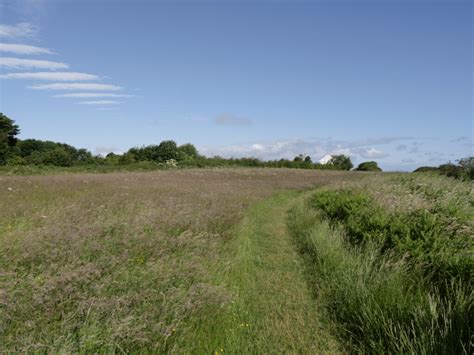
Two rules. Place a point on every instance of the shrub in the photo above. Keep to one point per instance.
(428, 237)
(368, 166)
(379, 304)
(187, 151)
(342, 162)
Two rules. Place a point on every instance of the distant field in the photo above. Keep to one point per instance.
(201, 261)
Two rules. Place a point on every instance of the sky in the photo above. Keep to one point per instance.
(386, 80)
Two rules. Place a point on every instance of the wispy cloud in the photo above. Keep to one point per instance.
(23, 49)
(53, 76)
(100, 102)
(92, 94)
(371, 153)
(461, 139)
(227, 119)
(18, 63)
(19, 30)
(76, 86)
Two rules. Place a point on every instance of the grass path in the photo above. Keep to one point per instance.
(272, 310)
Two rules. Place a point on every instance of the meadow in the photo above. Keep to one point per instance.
(236, 261)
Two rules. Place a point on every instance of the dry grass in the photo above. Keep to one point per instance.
(122, 261)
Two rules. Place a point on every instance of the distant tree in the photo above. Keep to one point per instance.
(82, 156)
(298, 158)
(341, 162)
(368, 166)
(425, 169)
(187, 151)
(467, 164)
(451, 170)
(308, 159)
(8, 132)
(167, 150)
(59, 156)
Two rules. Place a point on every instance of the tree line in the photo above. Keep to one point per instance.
(17, 152)
(14, 151)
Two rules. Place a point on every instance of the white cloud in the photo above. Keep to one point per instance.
(76, 86)
(100, 102)
(372, 153)
(16, 63)
(19, 30)
(93, 94)
(23, 49)
(227, 119)
(55, 76)
(289, 148)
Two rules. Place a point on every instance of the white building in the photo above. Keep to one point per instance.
(326, 159)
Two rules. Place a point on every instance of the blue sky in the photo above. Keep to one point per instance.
(387, 80)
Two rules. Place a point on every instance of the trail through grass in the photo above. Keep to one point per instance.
(272, 310)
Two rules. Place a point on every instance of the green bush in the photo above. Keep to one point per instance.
(426, 236)
(379, 304)
(368, 166)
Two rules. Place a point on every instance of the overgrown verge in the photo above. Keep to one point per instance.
(390, 281)
(436, 238)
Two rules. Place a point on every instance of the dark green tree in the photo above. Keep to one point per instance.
(187, 151)
(368, 166)
(8, 132)
(166, 150)
(467, 164)
(58, 156)
(298, 158)
(341, 162)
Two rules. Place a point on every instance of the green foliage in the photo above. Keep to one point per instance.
(463, 170)
(427, 236)
(187, 152)
(426, 169)
(8, 132)
(451, 170)
(467, 164)
(368, 166)
(342, 162)
(37, 152)
(298, 158)
(167, 150)
(379, 304)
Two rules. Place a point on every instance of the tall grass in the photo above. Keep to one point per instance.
(376, 302)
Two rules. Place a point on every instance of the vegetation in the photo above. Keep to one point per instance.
(368, 166)
(393, 277)
(464, 169)
(341, 162)
(202, 261)
(165, 261)
(32, 156)
(8, 132)
(230, 260)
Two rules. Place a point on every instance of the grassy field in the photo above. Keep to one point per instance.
(235, 261)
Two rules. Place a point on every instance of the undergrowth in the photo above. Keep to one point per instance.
(379, 303)
(392, 280)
